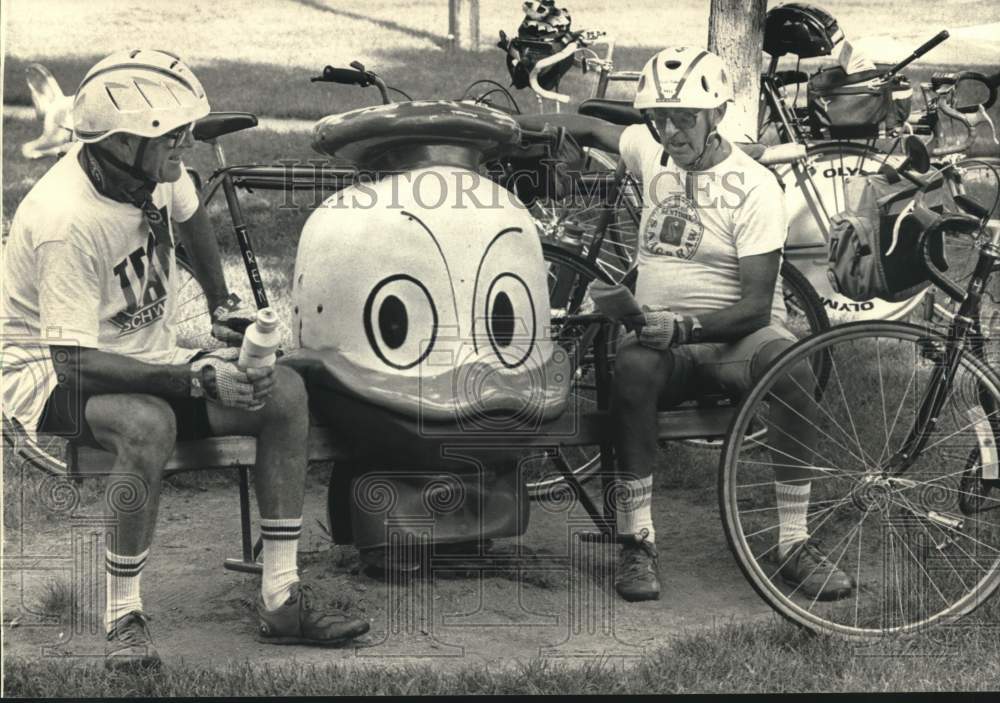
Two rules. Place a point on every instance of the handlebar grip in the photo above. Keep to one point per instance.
(931, 43)
(971, 206)
(344, 76)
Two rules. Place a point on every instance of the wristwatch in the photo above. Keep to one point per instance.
(696, 331)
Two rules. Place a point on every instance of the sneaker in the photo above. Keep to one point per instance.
(296, 622)
(129, 645)
(637, 571)
(812, 574)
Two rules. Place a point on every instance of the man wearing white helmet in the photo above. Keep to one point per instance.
(90, 260)
(712, 229)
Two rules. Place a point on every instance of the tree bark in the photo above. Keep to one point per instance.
(736, 33)
(463, 23)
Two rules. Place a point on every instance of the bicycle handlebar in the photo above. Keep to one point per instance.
(356, 75)
(344, 76)
(568, 50)
(921, 50)
(953, 79)
(964, 224)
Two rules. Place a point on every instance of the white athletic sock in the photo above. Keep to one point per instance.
(122, 588)
(793, 505)
(634, 515)
(280, 555)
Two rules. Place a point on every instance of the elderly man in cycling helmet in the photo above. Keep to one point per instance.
(711, 234)
(90, 267)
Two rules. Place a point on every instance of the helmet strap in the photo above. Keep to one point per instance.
(713, 138)
(112, 169)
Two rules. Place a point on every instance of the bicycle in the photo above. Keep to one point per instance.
(814, 185)
(904, 453)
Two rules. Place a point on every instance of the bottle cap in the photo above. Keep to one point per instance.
(267, 320)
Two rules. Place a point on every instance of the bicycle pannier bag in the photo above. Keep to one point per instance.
(874, 243)
(847, 105)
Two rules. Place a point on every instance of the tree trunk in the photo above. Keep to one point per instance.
(463, 24)
(736, 33)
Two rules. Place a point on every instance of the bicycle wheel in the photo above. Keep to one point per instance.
(191, 317)
(45, 453)
(898, 528)
(569, 275)
(582, 209)
(814, 192)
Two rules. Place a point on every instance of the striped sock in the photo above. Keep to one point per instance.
(793, 507)
(634, 514)
(281, 546)
(122, 589)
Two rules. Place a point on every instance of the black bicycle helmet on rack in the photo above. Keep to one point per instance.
(801, 29)
(544, 31)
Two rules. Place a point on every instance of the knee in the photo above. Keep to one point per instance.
(636, 372)
(288, 403)
(139, 426)
(796, 386)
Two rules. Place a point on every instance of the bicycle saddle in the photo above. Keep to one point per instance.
(409, 135)
(618, 112)
(217, 124)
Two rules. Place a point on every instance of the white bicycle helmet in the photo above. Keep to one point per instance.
(685, 77)
(140, 91)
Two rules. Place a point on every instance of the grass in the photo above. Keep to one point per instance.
(266, 70)
(56, 599)
(762, 658)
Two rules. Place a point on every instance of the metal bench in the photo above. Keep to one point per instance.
(240, 452)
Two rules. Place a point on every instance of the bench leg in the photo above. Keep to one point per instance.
(606, 523)
(248, 564)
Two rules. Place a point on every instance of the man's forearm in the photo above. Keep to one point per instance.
(735, 322)
(94, 372)
(199, 240)
(587, 131)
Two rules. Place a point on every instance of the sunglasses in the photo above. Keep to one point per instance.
(682, 119)
(175, 137)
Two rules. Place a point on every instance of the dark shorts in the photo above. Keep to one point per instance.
(63, 415)
(731, 368)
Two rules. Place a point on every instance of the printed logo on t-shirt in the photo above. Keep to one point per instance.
(674, 228)
(143, 275)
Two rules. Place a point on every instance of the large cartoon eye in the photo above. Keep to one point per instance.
(510, 319)
(401, 321)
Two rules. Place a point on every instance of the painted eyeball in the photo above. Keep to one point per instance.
(401, 321)
(505, 316)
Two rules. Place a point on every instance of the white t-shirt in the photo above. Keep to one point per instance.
(82, 269)
(697, 225)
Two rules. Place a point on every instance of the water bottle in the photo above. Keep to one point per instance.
(260, 342)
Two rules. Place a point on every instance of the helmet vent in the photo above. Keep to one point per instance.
(704, 84)
(672, 64)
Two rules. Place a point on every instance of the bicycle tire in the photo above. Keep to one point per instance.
(45, 453)
(908, 558)
(543, 479)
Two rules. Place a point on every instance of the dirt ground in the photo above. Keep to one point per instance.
(564, 607)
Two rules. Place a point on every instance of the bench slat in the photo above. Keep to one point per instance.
(584, 429)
